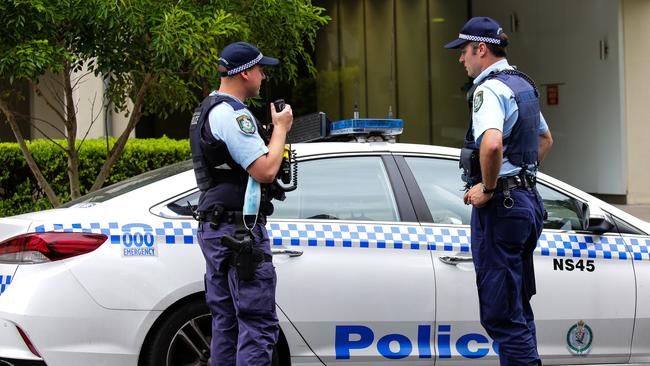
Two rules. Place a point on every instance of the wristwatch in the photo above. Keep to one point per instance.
(485, 188)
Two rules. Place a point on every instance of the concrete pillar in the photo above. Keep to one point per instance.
(46, 108)
(637, 94)
(88, 96)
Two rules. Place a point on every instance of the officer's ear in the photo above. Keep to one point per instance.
(246, 74)
(482, 49)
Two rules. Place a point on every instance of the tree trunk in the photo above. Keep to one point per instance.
(116, 151)
(40, 179)
(71, 134)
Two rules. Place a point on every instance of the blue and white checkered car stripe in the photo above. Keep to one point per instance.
(183, 232)
(169, 232)
(582, 246)
(446, 239)
(5, 281)
(348, 236)
(639, 247)
(380, 236)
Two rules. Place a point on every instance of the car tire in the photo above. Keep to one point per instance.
(183, 338)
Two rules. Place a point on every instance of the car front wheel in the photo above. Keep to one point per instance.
(183, 338)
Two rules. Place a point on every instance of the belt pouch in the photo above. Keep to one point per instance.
(471, 165)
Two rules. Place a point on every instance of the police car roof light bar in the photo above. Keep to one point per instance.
(380, 126)
(317, 127)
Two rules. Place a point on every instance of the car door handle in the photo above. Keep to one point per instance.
(289, 252)
(455, 259)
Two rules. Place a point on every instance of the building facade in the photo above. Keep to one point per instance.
(587, 57)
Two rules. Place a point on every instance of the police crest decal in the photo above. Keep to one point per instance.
(246, 124)
(478, 100)
(579, 338)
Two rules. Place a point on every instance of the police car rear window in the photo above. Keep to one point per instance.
(130, 184)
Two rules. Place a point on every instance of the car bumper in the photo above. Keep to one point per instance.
(13, 350)
(65, 325)
(19, 362)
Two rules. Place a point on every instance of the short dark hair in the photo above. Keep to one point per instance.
(499, 50)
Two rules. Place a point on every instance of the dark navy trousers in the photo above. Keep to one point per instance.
(244, 323)
(503, 241)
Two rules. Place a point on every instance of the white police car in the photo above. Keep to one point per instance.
(373, 262)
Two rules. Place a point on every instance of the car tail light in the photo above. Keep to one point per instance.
(48, 247)
(28, 342)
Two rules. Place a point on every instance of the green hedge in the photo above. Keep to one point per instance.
(19, 192)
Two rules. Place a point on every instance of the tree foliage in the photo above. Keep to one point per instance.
(155, 55)
(19, 194)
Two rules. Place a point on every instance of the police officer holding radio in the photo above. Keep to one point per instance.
(229, 145)
(506, 140)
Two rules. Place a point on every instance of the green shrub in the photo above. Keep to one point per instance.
(19, 192)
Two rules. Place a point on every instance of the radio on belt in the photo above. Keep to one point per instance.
(317, 127)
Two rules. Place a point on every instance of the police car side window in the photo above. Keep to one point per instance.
(183, 206)
(344, 188)
(439, 181)
(563, 211)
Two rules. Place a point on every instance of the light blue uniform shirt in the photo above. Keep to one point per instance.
(498, 110)
(244, 147)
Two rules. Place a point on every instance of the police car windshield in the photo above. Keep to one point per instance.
(129, 185)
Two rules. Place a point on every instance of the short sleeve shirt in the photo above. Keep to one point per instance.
(495, 107)
(239, 131)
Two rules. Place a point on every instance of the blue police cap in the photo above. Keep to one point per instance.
(239, 56)
(479, 29)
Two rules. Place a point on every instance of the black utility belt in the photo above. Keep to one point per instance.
(217, 216)
(516, 181)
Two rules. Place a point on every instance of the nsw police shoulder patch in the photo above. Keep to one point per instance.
(478, 100)
(195, 118)
(246, 124)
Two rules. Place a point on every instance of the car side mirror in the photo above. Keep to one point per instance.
(597, 224)
(600, 224)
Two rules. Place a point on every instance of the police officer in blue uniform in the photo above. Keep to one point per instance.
(229, 145)
(506, 140)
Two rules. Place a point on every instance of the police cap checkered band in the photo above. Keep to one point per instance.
(239, 56)
(479, 29)
(479, 39)
(245, 66)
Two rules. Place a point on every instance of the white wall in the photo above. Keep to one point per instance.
(87, 95)
(46, 120)
(557, 41)
(88, 98)
(637, 92)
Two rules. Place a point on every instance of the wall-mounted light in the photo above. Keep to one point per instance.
(603, 49)
(514, 23)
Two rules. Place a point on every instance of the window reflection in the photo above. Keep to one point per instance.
(563, 211)
(439, 181)
(351, 188)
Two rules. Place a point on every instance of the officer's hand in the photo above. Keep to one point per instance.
(476, 197)
(283, 119)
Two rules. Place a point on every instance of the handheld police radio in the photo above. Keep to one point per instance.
(287, 178)
(279, 105)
